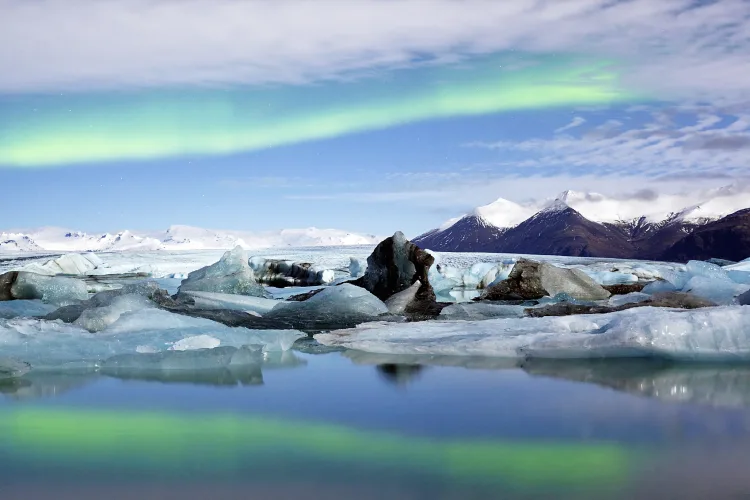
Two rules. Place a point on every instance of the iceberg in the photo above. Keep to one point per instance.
(337, 305)
(95, 319)
(710, 334)
(72, 263)
(398, 302)
(11, 368)
(232, 274)
(209, 300)
(356, 268)
(44, 343)
(49, 289)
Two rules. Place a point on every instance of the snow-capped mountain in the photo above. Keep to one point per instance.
(174, 238)
(586, 224)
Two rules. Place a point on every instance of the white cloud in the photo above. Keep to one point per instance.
(577, 121)
(654, 149)
(680, 48)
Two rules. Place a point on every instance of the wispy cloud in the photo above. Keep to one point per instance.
(678, 48)
(577, 121)
(711, 145)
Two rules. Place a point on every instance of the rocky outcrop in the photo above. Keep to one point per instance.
(283, 273)
(675, 300)
(744, 299)
(6, 284)
(624, 289)
(395, 266)
(529, 280)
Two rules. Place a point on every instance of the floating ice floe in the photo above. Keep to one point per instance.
(49, 289)
(232, 274)
(711, 334)
(209, 300)
(706, 280)
(72, 263)
(46, 343)
(337, 304)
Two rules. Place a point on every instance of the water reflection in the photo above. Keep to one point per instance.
(399, 374)
(725, 386)
(50, 383)
(715, 385)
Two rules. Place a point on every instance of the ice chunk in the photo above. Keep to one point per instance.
(706, 270)
(231, 274)
(196, 342)
(72, 263)
(336, 304)
(659, 286)
(397, 302)
(720, 291)
(51, 343)
(628, 298)
(209, 300)
(24, 308)
(50, 289)
(95, 319)
(710, 334)
(356, 268)
(744, 299)
(479, 311)
(610, 277)
(741, 277)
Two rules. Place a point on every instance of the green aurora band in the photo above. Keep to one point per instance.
(168, 442)
(55, 130)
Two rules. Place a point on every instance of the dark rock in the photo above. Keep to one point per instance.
(678, 300)
(6, 283)
(67, 314)
(530, 280)
(424, 306)
(674, 300)
(394, 265)
(625, 289)
(301, 297)
(284, 273)
(744, 299)
(721, 262)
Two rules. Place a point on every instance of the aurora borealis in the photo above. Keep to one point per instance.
(220, 442)
(83, 128)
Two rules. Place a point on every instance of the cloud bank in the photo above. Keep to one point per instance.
(677, 48)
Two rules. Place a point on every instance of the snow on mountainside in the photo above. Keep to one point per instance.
(174, 238)
(647, 223)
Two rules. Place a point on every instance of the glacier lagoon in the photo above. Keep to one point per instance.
(201, 418)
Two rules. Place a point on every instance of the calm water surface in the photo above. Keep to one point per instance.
(354, 425)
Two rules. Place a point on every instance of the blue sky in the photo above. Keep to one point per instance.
(379, 115)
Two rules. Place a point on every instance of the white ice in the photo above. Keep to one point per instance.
(209, 300)
(231, 274)
(480, 311)
(398, 302)
(50, 289)
(711, 334)
(53, 343)
(343, 302)
(72, 263)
